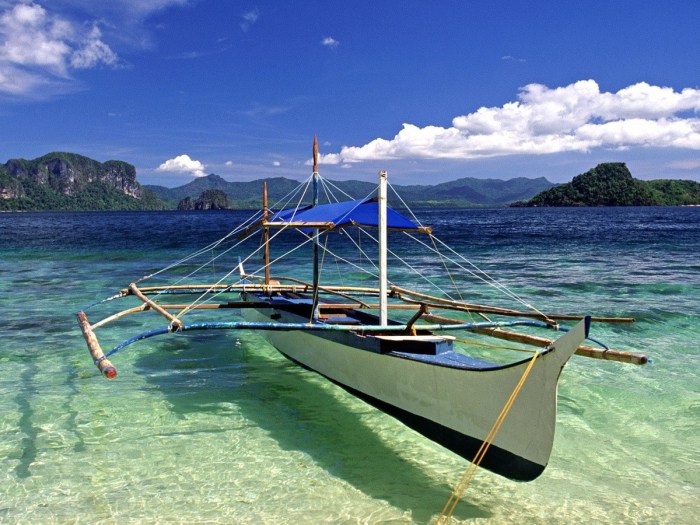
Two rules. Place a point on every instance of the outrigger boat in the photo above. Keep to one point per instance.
(415, 365)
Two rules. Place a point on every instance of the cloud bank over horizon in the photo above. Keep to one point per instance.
(574, 118)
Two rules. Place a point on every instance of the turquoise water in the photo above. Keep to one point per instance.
(220, 429)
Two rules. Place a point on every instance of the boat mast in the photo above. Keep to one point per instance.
(382, 249)
(315, 231)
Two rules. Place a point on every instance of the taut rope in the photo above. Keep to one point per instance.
(468, 475)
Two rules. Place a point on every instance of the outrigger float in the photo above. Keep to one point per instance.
(415, 365)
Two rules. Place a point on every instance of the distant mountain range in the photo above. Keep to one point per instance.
(67, 181)
(462, 192)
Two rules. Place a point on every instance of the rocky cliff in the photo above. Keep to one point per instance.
(70, 181)
(208, 200)
(68, 173)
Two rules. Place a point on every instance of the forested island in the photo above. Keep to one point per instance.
(68, 181)
(207, 200)
(612, 184)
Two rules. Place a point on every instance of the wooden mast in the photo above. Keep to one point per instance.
(315, 155)
(383, 316)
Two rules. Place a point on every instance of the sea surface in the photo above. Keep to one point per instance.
(218, 428)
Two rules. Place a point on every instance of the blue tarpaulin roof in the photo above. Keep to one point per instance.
(363, 212)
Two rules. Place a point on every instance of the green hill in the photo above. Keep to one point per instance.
(67, 181)
(612, 184)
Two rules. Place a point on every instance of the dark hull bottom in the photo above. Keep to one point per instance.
(496, 459)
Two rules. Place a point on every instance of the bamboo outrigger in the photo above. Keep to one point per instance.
(413, 364)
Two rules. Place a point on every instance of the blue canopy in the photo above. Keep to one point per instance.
(363, 212)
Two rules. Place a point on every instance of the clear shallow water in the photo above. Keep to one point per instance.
(220, 429)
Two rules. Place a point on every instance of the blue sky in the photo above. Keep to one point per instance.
(430, 91)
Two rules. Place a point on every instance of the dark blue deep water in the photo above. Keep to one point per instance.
(220, 429)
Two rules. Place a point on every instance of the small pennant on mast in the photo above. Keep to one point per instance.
(315, 153)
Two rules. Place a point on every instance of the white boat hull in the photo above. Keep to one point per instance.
(455, 407)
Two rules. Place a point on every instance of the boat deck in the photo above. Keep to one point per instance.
(449, 359)
(424, 347)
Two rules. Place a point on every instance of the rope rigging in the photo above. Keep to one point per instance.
(366, 265)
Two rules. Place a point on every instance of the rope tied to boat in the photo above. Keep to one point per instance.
(468, 475)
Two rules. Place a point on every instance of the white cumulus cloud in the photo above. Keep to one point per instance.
(578, 117)
(38, 49)
(183, 164)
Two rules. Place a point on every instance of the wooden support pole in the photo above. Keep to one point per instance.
(533, 340)
(421, 311)
(246, 287)
(438, 302)
(174, 321)
(103, 364)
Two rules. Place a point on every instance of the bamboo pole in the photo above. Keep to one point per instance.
(250, 229)
(119, 315)
(421, 311)
(174, 321)
(395, 290)
(242, 304)
(438, 302)
(206, 306)
(369, 306)
(334, 290)
(533, 340)
(103, 364)
(246, 287)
